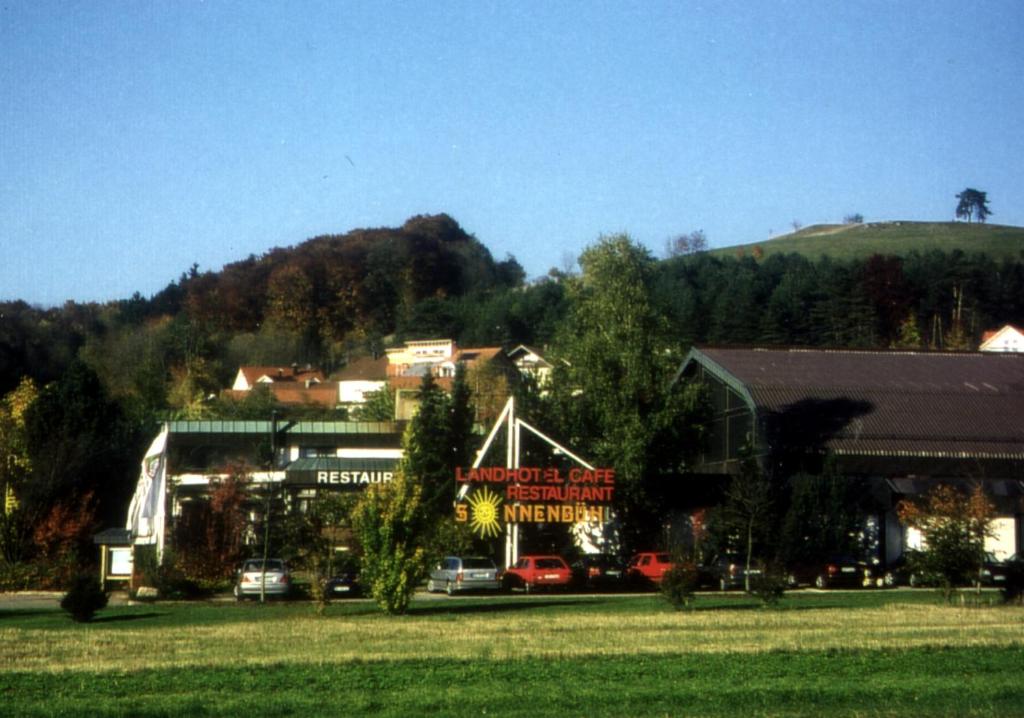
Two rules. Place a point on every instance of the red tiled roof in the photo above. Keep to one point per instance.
(322, 394)
(478, 354)
(414, 382)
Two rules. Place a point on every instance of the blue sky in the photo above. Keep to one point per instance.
(137, 138)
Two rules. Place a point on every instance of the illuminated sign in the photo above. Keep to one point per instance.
(353, 478)
(340, 472)
(493, 496)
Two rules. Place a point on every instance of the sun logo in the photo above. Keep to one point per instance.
(484, 505)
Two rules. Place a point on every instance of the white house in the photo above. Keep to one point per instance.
(1007, 339)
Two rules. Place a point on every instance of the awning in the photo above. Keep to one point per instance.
(113, 537)
(339, 473)
(996, 488)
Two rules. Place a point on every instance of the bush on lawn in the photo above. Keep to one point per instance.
(770, 585)
(84, 598)
(679, 584)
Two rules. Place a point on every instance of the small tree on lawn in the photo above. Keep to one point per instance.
(84, 598)
(953, 524)
(389, 523)
(329, 523)
(747, 508)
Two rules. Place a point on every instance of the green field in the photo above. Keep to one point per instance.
(858, 241)
(871, 653)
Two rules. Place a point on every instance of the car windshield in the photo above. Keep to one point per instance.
(549, 563)
(257, 565)
(477, 563)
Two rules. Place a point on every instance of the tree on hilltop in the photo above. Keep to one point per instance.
(973, 203)
(693, 243)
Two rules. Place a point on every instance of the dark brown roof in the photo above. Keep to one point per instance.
(949, 405)
(364, 369)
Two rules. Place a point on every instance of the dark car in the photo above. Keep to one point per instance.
(993, 571)
(599, 571)
(907, 571)
(344, 584)
(835, 572)
(895, 573)
(728, 572)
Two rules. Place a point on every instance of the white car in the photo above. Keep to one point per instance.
(249, 582)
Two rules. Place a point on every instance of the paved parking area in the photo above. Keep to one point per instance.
(38, 600)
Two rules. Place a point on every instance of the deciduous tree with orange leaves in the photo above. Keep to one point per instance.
(954, 522)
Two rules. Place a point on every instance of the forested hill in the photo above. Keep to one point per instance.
(363, 280)
(860, 240)
(332, 298)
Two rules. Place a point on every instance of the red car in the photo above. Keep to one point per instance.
(648, 568)
(532, 572)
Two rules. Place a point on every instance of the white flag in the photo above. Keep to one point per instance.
(146, 511)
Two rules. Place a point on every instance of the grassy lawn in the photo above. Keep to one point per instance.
(871, 653)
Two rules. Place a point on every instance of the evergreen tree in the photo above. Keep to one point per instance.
(429, 449)
(823, 517)
(460, 423)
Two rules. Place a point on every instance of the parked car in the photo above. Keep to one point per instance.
(728, 572)
(895, 573)
(993, 571)
(532, 572)
(648, 568)
(250, 582)
(464, 573)
(835, 572)
(598, 571)
(904, 571)
(344, 584)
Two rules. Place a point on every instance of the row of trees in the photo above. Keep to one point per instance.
(67, 455)
(154, 363)
(802, 519)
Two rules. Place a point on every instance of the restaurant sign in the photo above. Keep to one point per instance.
(490, 497)
(340, 473)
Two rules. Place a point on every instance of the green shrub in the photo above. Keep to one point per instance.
(679, 584)
(172, 583)
(146, 568)
(22, 576)
(84, 598)
(389, 524)
(770, 585)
